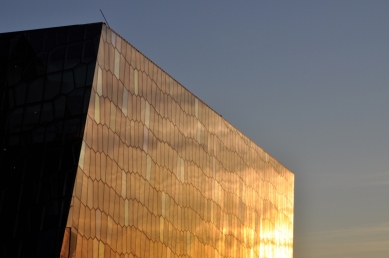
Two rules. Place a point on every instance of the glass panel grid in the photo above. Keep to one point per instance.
(176, 179)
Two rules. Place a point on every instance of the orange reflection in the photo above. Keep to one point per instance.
(171, 177)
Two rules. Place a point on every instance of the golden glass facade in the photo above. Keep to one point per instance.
(161, 174)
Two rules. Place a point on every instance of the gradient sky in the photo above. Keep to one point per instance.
(308, 81)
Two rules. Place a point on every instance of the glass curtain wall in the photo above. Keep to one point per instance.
(160, 174)
(45, 83)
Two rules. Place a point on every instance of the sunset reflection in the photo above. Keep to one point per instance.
(163, 175)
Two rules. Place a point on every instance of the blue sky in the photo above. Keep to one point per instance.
(308, 81)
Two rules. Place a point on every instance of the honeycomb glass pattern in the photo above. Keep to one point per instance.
(45, 84)
(160, 174)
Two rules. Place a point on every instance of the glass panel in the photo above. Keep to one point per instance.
(111, 58)
(106, 56)
(107, 88)
(75, 102)
(145, 138)
(66, 243)
(52, 85)
(41, 63)
(76, 33)
(73, 55)
(99, 81)
(123, 69)
(89, 51)
(97, 109)
(136, 82)
(35, 90)
(80, 73)
(56, 59)
(117, 64)
(31, 117)
(67, 82)
(115, 85)
(47, 112)
(20, 93)
(113, 38)
(125, 101)
(112, 117)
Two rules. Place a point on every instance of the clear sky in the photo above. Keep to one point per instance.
(308, 81)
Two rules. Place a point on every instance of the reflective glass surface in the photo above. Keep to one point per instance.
(105, 155)
(45, 84)
(161, 174)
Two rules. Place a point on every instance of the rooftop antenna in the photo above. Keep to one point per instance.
(104, 18)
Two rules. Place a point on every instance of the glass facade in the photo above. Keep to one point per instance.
(149, 169)
(45, 83)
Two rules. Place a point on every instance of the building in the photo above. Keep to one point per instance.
(103, 154)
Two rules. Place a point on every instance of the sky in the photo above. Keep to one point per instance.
(308, 81)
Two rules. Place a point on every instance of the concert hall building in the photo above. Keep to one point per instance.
(104, 154)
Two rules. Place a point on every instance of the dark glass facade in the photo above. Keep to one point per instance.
(106, 155)
(45, 83)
